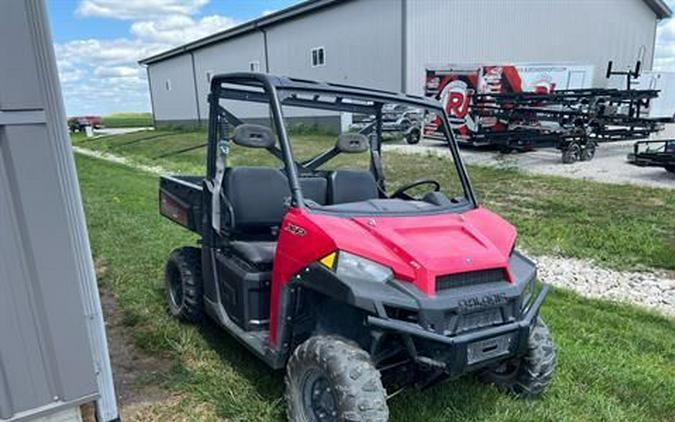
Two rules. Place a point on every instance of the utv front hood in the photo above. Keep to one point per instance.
(421, 248)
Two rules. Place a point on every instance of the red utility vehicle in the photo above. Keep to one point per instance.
(356, 289)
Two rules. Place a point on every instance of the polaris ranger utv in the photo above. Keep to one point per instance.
(355, 289)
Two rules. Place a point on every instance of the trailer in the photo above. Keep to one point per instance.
(456, 85)
(507, 109)
(654, 154)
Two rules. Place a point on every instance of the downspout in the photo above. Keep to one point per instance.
(267, 57)
(194, 82)
(404, 45)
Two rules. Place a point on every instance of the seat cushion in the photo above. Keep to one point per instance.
(256, 253)
(257, 195)
(351, 186)
(314, 188)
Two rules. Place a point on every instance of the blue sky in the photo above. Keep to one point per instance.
(98, 43)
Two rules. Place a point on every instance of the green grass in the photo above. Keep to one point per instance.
(128, 120)
(621, 226)
(615, 362)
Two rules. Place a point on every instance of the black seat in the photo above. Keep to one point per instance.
(257, 196)
(351, 186)
(314, 188)
(260, 254)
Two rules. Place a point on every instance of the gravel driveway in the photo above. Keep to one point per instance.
(608, 166)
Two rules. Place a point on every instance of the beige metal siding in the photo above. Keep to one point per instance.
(581, 31)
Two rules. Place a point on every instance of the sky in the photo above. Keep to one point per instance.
(99, 42)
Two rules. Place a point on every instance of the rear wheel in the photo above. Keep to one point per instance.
(531, 374)
(571, 154)
(331, 379)
(183, 282)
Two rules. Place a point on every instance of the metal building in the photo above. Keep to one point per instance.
(387, 43)
(53, 350)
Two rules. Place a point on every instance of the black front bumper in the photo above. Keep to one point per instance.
(465, 352)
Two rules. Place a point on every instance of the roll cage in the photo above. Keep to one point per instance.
(283, 91)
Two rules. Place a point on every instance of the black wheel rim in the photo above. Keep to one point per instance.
(318, 398)
(175, 285)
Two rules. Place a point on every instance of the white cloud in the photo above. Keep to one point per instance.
(179, 29)
(100, 76)
(664, 54)
(138, 9)
(267, 12)
(118, 72)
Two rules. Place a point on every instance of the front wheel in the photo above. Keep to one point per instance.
(531, 374)
(571, 154)
(331, 379)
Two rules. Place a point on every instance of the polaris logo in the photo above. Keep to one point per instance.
(296, 230)
(478, 302)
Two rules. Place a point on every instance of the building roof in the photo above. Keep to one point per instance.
(302, 8)
(659, 7)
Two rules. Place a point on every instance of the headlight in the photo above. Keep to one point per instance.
(352, 266)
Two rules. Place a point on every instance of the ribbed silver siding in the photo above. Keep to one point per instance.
(175, 101)
(362, 41)
(48, 294)
(581, 31)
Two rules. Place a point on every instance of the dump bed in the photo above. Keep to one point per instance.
(180, 200)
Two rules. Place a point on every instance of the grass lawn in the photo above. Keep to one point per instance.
(128, 120)
(615, 362)
(624, 227)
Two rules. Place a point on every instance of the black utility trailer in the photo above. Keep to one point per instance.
(654, 154)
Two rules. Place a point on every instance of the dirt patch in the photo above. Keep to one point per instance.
(137, 374)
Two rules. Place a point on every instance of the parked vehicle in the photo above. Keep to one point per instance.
(79, 123)
(654, 154)
(397, 119)
(357, 290)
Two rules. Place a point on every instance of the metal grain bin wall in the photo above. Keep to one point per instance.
(53, 352)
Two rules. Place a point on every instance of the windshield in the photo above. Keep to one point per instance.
(406, 164)
(358, 154)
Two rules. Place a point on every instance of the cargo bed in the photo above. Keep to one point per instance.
(180, 200)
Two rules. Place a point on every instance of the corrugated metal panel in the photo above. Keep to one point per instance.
(234, 55)
(581, 31)
(46, 272)
(173, 92)
(362, 41)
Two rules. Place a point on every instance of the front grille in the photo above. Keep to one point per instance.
(469, 278)
(481, 319)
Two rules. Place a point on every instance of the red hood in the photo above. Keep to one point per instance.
(420, 248)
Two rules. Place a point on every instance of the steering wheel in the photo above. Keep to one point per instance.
(400, 192)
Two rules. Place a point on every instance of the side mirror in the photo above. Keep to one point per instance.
(352, 143)
(253, 136)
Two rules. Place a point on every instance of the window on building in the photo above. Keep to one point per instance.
(254, 66)
(318, 56)
(167, 84)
